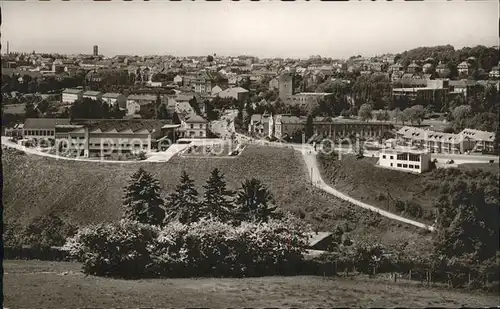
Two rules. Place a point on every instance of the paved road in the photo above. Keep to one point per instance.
(309, 156)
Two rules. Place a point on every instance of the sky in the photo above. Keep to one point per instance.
(262, 29)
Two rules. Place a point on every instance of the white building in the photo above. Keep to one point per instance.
(405, 159)
(237, 93)
(194, 126)
(94, 95)
(178, 80)
(114, 99)
(137, 102)
(71, 95)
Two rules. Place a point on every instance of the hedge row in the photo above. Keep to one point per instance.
(205, 248)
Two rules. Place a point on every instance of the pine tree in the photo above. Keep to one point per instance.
(309, 130)
(183, 204)
(254, 201)
(217, 199)
(142, 201)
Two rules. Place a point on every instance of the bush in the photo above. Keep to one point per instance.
(204, 248)
(142, 155)
(114, 249)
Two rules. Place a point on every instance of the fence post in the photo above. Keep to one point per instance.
(430, 278)
(410, 275)
(469, 281)
(395, 277)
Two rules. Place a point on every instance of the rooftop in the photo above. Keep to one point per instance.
(111, 95)
(44, 123)
(91, 93)
(72, 91)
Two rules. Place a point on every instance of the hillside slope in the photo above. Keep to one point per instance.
(82, 192)
(362, 179)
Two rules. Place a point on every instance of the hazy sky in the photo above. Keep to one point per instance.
(263, 29)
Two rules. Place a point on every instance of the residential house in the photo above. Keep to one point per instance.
(396, 75)
(413, 68)
(396, 68)
(495, 72)
(136, 103)
(442, 69)
(94, 95)
(483, 140)
(115, 99)
(217, 89)
(236, 93)
(427, 68)
(207, 80)
(406, 160)
(71, 95)
(194, 126)
(435, 142)
(464, 69)
(259, 124)
(178, 80)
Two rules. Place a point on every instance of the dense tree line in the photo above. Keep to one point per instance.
(143, 202)
(46, 84)
(94, 109)
(486, 57)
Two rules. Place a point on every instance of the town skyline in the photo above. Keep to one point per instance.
(281, 30)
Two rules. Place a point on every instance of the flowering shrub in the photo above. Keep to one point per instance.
(117, 250)
(204, 248)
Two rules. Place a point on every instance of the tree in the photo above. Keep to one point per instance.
(183, 204)
(415, 114)
(461, 112)
(163, 112)
(460, 116)
(345, 113)
(217, 198)
(467, 216)
(254, 201)
(142, 201)
(365, 112)
(496, 140)
(210, 58)
(383, 116)
(194, 104)
(30, 111)
(309, 130)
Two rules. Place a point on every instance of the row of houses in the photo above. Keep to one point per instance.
(282, 126)
(438, 142)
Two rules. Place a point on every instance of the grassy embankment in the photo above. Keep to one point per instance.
(364, 180)
(81, 193)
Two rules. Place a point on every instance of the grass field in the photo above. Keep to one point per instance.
(36, 284)
(83, 192)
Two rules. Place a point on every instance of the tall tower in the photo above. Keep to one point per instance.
(96, 50)
(7, 47)
(285, 86)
